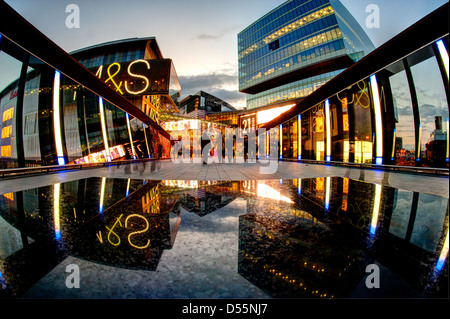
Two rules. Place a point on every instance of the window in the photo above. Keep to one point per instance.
(274, 45)
(9, 75)
(404, 150)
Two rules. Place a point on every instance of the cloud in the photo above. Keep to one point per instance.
(220, 84)
(406, 110)
(208, 37)
(199, 81)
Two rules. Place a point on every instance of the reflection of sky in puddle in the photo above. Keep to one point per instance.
(203, 239)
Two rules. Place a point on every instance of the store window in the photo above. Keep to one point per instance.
(306, 140)
(318, 132)
(362, 123)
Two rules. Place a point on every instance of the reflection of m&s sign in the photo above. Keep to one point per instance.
(137, 77)
(114, 238)
(134, 227)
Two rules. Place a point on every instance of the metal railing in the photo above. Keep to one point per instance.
(28, 171)
(396, 168)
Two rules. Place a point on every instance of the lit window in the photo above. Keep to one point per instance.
(8, 114)
(6, 131)
(6, 151)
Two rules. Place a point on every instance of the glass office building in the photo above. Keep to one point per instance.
(390, 108)
(296, 48)
(202, 101)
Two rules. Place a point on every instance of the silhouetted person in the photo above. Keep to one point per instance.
(206, 147)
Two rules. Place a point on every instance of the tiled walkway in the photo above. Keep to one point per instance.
(436, 185)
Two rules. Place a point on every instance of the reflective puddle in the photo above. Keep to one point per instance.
(327, 237)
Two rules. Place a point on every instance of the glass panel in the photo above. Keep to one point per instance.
(70, 97)
(31, 143)
(339, 138)
(362, 123)
(401, 212)
(116, 124)
(405, 133)
(318, 132)
(428, 227)
(306, 135)
(40, 77)
(92, 122)
(290, 138)
(433, 110)
(9, 74)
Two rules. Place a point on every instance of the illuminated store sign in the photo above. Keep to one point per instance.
(248, 123)
(139, 77)
(180, 125)
(268, 115)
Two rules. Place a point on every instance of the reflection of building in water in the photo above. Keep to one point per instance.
(96, 219)
(307, 237)
(132, 232)
(305, 249)
(288, 260)
(207, 199)
(288, 252)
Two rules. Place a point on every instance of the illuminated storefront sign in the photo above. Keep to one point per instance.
(182, 183)
(139, 77)
(180, 125)
(268, 115)
(115, 152)
(248, 123)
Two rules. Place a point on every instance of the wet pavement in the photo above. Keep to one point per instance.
(316, 237)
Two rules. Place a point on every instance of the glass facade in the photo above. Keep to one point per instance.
(398, 116)
(48, 119)
(204, 102)
(294, 90)
(296, 35)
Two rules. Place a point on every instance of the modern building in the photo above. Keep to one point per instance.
(205, 103)
(136, 69)
(105, 106)
(390, 108)
(297, 47)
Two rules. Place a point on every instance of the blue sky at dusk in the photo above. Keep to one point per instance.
(199, 35)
